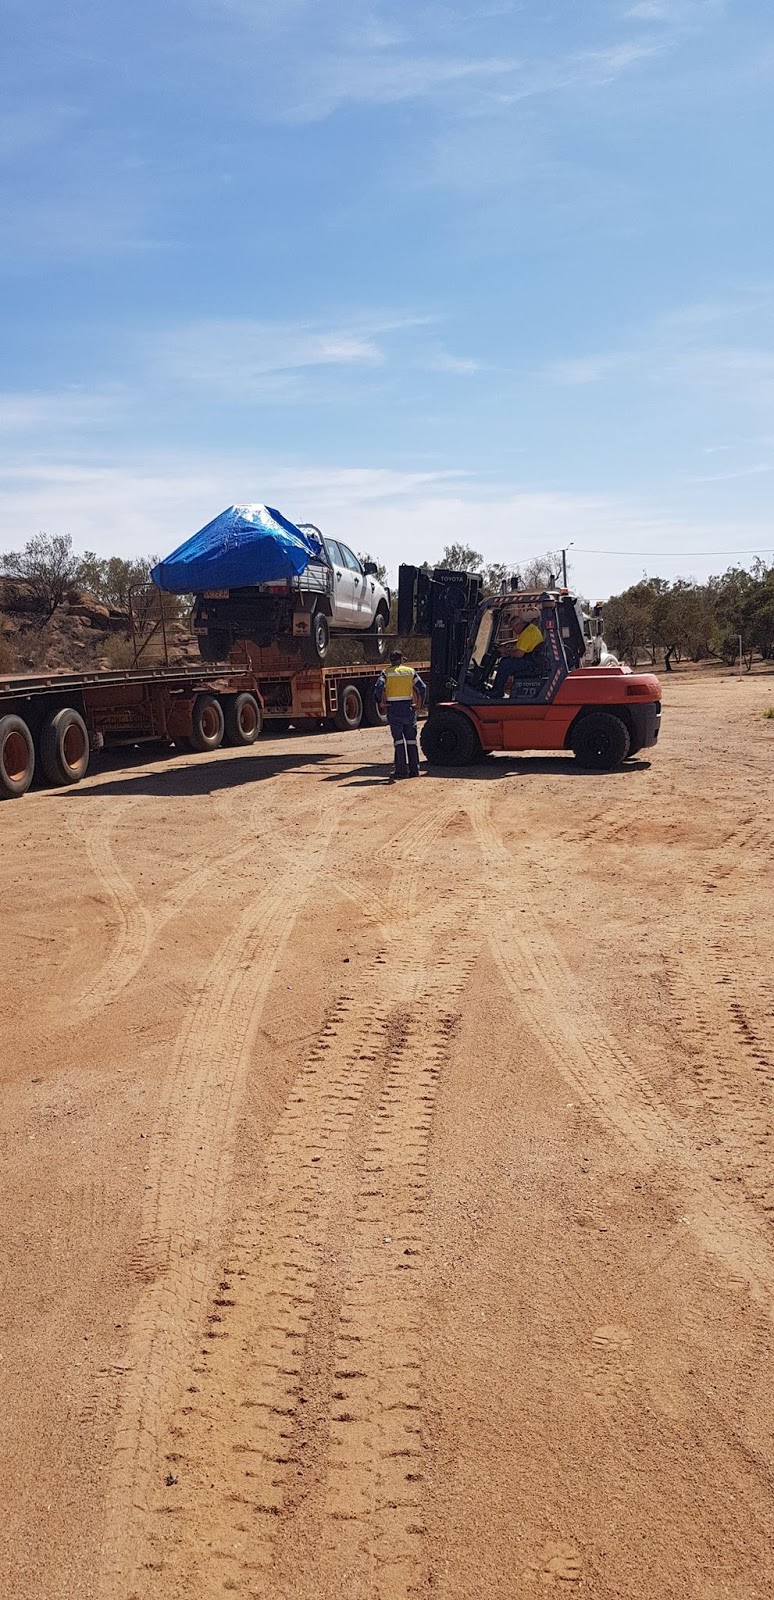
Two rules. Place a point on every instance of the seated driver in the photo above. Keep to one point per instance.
(523, 660)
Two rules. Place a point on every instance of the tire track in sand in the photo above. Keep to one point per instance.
(133, 919)
(197, 1113)
(138, 927)
(298, 1443)
(604, 1074)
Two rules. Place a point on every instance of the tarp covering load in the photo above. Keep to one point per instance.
(244, 545)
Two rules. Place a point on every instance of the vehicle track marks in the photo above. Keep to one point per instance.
(197, 1112)
(133, 920)
(138, 925)
(238, 1396)
(597, 1066)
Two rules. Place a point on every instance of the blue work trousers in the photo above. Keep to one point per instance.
(403, 727)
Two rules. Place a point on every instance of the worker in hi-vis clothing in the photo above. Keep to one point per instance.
(399, 691)
(521, 657)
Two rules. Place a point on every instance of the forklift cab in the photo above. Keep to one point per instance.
(491, 672)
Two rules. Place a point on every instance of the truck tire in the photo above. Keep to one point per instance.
(350, 713)
(64, 747)
(243, 718)
(214, 646)
(207, 723)
(17, 758)
(449, 739)
(371, 713)
(600, 741)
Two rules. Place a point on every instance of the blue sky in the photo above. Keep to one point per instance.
(499, 272)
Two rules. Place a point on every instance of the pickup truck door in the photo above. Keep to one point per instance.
(363, 595)
(343, 587)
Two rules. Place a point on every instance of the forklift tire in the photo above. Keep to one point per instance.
(600, 741)
(350, 713)
(17, 757)
(448, 739)
(207, 723)
(64, 747)
(243, 718)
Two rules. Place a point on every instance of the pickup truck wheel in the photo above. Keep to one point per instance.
(600, 741)
(64, 747)
(321, 635)
(214, 646)
(449, 739)
(243, 719)
(377, 632)
(350, 713)
(207, 723)
(17, 758)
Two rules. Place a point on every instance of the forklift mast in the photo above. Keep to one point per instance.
(443, 605)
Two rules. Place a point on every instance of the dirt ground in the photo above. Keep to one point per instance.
(387, 1173)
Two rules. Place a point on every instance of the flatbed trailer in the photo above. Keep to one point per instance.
(50, 724)
(308, 695)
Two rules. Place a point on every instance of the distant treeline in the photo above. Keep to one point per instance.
(695, 621)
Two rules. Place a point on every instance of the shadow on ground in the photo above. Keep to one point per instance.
(197, 776)
(491, 767)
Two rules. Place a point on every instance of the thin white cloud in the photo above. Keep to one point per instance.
(444, 361)
(399, 516)
(232, 356)
(690, 346)
(32, 413)
(675, 13)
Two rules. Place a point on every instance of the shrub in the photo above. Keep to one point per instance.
(7, 654)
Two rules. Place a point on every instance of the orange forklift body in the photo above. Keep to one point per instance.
(501, 726)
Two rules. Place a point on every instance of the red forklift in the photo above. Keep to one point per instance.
(484, 696)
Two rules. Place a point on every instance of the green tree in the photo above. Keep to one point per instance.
(48, 565)
(381, 570)
(462, 558)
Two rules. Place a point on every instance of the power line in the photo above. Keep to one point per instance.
(674, 555)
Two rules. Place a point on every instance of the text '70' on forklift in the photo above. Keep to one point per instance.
(484, 695)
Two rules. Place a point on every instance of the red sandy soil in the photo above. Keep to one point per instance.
(387, 1176)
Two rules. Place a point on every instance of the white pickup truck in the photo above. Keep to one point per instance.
(337, 595)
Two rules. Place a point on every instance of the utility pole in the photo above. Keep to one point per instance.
(564, 567)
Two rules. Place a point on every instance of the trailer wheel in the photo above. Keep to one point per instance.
(207, 723)
(64, 747)
(243, 718)
(600, 741)
(350, 713)
(17, 757)
(449, 739)
(372, 715)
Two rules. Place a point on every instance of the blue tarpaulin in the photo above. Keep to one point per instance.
(243, 546)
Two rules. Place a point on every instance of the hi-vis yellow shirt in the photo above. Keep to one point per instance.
(399, 683)
(529, 639)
